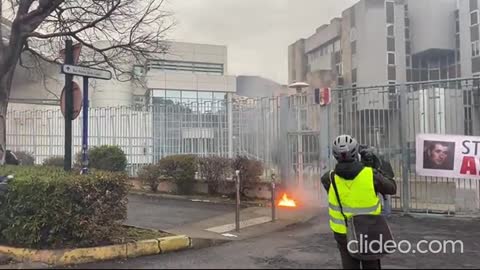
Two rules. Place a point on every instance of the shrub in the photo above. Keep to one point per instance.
(107, 158)
(214, 169)
(182, 169)
(55, 161)
(250, 171)
(77, 161)
(46, 207)
(150, 175)
(25, 158)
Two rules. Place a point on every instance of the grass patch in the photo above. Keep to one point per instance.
(131, 234)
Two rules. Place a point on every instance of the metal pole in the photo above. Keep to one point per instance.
(237, 210)
(300, 142)
(273, 199)
(67, 165)
(85, 127)
(230, 124)
(403, 123)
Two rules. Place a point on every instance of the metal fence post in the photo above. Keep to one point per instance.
(237, 209)
(403, 132)
(273, 199)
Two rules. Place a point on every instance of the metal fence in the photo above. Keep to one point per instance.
(388, 118)
(41, 133)
(290, 134)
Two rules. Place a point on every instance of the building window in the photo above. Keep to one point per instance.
(337, 46)
(457, 26)
(391, 44)
(476, 65)
(474, 33)
(391, 58)
(338, 57)
(408, 47)
(475, 48)
(407, 33)
(408, 61)
(468, 120)
(354, 75)
(390, 12)
(434, 75)
(186, 67)
(473, 5)
(354, 47)
(467, 98)
(339, 68)
(424, 75)
(444, 73)
(390, 30)
(474, 18)
(392, 74)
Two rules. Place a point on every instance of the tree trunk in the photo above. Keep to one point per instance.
(3, 130)
(5, 85)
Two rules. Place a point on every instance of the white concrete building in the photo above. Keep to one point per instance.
(180, 104)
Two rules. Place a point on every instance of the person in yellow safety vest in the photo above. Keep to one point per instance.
(357, 187)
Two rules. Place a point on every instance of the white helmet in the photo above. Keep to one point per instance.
(345, 148)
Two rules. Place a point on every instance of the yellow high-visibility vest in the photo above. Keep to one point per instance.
(357, 197)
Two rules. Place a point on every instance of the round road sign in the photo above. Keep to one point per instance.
(77, 101)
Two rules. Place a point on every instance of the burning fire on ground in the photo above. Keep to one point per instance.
(287, 202)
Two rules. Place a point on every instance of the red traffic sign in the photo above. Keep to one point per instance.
(77, 101)
(77, 48)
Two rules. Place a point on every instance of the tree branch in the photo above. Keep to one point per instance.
(71, 33)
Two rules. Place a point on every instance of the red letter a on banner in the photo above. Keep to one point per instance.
(468, 166)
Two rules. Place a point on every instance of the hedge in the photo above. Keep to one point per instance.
(182, 169)
(107, 158)
(250, 171)
(55, 161)
(214, 169)
(46, 207)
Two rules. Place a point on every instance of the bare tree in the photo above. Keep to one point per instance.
(115, 34)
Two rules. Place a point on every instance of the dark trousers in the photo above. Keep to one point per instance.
(349, 262)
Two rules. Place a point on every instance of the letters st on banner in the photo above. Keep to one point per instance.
(448, 156)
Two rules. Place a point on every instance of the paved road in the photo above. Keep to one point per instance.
(311, 246)
(159, 213)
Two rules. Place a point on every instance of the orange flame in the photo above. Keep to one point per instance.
(287, 202)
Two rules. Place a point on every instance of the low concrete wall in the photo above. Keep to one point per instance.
(440, 194)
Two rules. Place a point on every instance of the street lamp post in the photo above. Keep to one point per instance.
(299, 86)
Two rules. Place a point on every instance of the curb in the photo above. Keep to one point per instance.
(199, 199)
(96, 254)
(199, 243)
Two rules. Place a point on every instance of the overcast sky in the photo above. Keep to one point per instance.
(257, 32)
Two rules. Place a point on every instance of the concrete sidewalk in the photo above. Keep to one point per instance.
(254, 221)
(183, 215)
